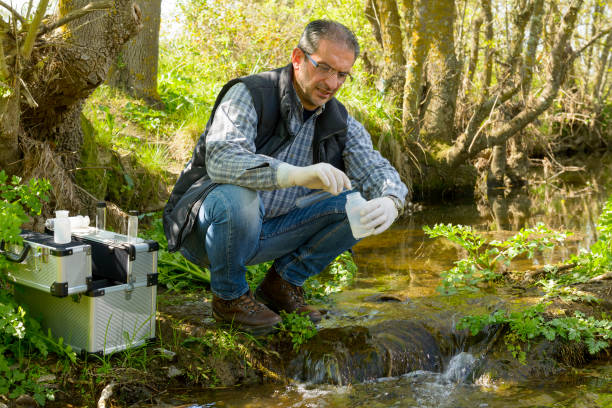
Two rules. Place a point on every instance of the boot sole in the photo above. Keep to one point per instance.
(254, 330)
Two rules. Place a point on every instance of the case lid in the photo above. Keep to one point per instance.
(46, 240)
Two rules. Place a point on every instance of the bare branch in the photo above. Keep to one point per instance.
(561, 59)
(4, 71)
(13, 12)
(73, 15)
(593, 41)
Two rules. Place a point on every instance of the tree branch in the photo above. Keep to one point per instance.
(591, 42)
(466, 146)
(73, 15)
(28, 44)
(13, 12)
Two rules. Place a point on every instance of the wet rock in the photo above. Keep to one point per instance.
(170, 355)
(355, 354)
(47, 378)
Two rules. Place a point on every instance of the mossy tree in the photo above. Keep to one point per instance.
(499, 94)
(48, 67)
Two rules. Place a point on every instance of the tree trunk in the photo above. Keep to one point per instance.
(603, 64)
(488, 57)
(472, 142)
(419, 47)
(393, 48)
(444, 73)
(473, 54)
(535, 31)
(62, 71)
(135, 71)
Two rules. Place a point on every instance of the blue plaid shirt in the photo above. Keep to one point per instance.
(231, 158)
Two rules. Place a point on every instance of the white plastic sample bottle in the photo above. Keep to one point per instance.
(61, 230)
(132, 229)
(354, 203)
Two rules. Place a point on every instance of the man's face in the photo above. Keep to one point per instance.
(313, 87)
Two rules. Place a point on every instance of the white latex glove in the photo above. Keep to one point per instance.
(378, 214)
(320, 176)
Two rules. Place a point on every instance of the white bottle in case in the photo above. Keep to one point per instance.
(61, 230)
(354, 203)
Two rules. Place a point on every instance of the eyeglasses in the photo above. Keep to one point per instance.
(325, 70)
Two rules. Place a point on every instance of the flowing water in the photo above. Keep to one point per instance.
(411, 356)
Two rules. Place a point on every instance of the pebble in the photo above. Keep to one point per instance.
(174, 372)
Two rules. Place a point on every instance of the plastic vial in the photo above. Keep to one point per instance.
(101, 216)
(61, 230)
(76, 222)
(132, 229)
(354, 203)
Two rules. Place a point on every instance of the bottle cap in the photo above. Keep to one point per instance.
(133, 212)
(101, 204)
(61, 213)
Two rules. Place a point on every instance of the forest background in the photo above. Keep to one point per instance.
(448, 89)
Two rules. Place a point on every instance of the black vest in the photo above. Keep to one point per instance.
(274, 100)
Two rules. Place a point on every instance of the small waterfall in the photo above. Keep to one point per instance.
(355, 354)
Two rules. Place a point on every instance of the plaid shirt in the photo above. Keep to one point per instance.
(231, 158)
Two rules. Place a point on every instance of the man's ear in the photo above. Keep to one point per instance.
(296, 58)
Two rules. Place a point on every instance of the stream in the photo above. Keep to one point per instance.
(389, 339)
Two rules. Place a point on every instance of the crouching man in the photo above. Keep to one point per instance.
(272, 139)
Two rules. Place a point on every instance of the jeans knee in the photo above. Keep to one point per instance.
(232, 203)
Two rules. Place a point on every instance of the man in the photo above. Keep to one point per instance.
(272, 139)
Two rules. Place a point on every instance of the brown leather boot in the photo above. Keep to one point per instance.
(246, 313)
(278, 294)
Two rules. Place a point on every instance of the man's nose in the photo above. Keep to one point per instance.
(333, 82)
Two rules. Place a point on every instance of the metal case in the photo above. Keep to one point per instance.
(58, 269)
(120, 258)
(102, 321)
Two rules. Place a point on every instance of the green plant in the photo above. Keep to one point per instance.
(21, 339)
(298, 327)
(175, 272)
(485, 259)
(340, 274)
(528, 324)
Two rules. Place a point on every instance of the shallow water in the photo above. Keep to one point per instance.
(401, 267)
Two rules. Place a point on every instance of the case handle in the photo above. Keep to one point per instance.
(10, 256)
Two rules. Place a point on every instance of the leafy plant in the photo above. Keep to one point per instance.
(298, 327)
(484, 259)
(340, 274)
(526, 325)
(20, 335)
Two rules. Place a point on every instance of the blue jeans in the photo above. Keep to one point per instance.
(230, 233)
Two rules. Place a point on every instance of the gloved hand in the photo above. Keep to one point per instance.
(378, 214)
(320, 176)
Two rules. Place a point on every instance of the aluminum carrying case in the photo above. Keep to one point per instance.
(106, 319)
(120, 258)
(57, 269)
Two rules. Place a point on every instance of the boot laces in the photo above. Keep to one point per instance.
(251, 305)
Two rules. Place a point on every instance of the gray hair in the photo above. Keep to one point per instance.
(328, 30)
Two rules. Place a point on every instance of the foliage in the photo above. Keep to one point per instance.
(298, 327)
(528, 324)
(599, 258)
(175, 272)
(340, 274)
(21, 335)
(484, 259)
